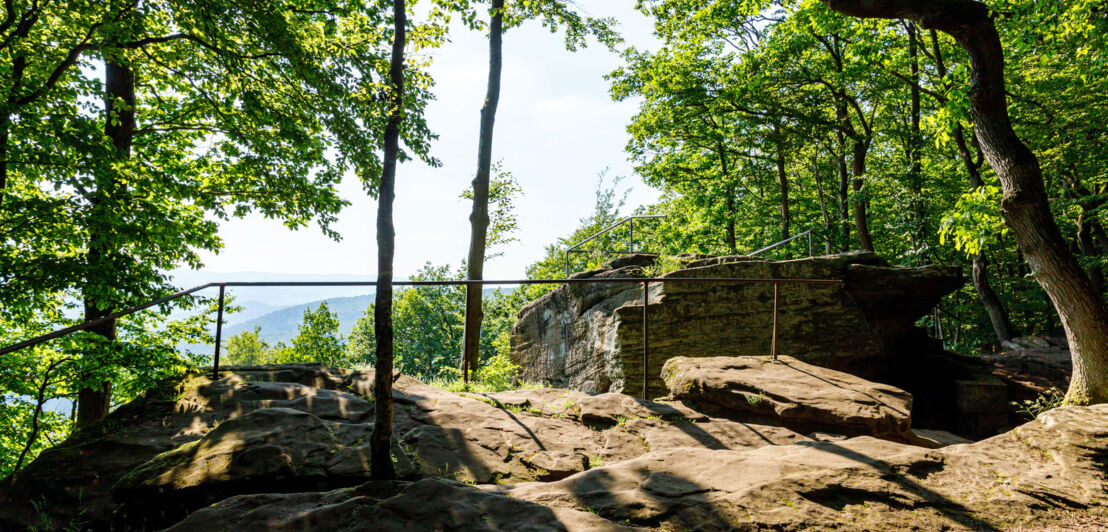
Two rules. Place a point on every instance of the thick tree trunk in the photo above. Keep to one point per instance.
(479, 218)
(783, 182)
(381, 467)
(119, 126)
(861, 219)
(1025, 206)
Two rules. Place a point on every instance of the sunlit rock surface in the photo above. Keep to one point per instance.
(284, 448)
(589, 336)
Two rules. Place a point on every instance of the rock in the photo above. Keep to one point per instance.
(790, 393)
(589, 336)
(556, 465)
(194, 441)
(424, 505)
(1045, 473)
(934, 439)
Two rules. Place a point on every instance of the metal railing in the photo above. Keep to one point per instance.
(630, 221)
(646, 282)
(807, 233)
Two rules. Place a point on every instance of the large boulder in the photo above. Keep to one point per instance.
(1049, 472)
(589, 337)
(790, 393)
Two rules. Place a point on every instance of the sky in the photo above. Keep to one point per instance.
(557, 128)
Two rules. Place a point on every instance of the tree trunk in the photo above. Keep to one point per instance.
(915, 142)
(822, 205)
(1088, 248)
(844, 192)
(858, 168)
(732, 243)
(1002, 326)
(479, 218)
(381, 467)
(998, 316)
(5, 132)
(1025, 206)
(783, 181)
(119, 127)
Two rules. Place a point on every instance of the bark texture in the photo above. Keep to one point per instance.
(380, 442)
(1024, 206)
(479, 218)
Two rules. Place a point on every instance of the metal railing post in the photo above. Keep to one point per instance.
(218, 332)
(773, 342)
(631, 242)
(645, 339)
(809, 242)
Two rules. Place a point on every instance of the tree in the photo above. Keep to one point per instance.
(1024, 206)
(107, 201)
(380, 443)
(479, 218)
(318, 337)
(553, 13)
(248, 349)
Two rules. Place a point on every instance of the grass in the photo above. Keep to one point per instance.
(457, 386)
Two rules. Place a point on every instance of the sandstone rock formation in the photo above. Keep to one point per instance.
(1047, 472)
(191, 443)
(589, 336)
(283, 448)
(791, 393)
(424, 505)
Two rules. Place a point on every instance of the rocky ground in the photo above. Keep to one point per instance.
(741, 444)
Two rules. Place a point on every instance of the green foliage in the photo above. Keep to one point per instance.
(1048, 400)
(974, 221)
(504, 190)
(247, 348)
(318, 337)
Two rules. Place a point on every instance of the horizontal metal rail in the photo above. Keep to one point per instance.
(644, 281)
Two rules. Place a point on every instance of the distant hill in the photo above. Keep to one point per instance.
(281, 325)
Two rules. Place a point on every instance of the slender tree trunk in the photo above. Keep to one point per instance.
(5, 133)
(40, 400)
(861, 219)
(1088, 248)
(119, 127)
(783, 181)
(822, 205)
(380, 442)
(18, 67)
(844, 192)
(1024, 206)
(915, 142)
(998, 316)
(479, 218)
(725, 169)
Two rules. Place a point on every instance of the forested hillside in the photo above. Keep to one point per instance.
(946, 132)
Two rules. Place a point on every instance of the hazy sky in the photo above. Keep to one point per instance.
(556, 129)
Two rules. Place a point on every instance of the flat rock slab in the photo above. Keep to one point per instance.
(425, 505)
(1045, 475)
(790, 393)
